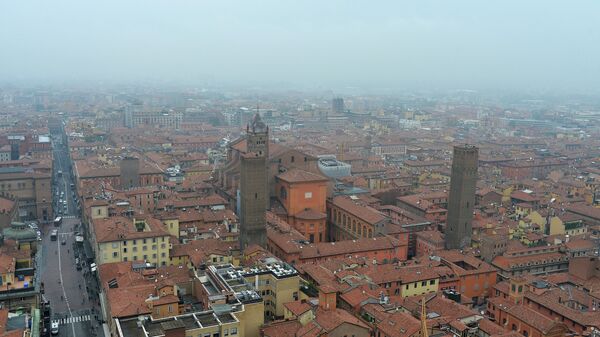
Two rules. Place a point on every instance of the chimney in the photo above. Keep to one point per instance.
(327, 297)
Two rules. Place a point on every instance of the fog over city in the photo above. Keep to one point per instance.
(302, 168)
(546, 45)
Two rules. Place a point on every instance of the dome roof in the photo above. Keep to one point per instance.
(20, 232)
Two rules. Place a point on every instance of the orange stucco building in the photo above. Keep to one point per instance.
(303, 197)
(476, 278)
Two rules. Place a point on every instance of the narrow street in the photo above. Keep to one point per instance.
(68, 282)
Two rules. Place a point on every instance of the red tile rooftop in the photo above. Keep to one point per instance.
(361, 211)
(298, 307)
(296, 175)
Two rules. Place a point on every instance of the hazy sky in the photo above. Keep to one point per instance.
(452, 44)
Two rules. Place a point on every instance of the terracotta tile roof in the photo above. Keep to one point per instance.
(310, 214)
(525, 314)
(449, 308)
(456, 259)
(329, 320)
(282, 329)
(359, 210)
(199, 250)
(392, 272)
(355, 296)
(168, 299)
(432, 236)
(253, 249)
(526, 197)
(120, 228)
(311, 329)
(211, 200)
(128, 302)
(348, 247)
(295, 175)
(552, 299)
(570, 217)
(507, 262)
(399, 324)
(7, 264)
(588, 211)
(134, 287)
(297, 307)
(580, 244)
(490, 327)
(322, 276)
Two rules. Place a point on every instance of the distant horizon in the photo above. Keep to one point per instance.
(428, 45)
(333, 91)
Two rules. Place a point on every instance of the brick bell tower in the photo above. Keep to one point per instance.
(253, 185)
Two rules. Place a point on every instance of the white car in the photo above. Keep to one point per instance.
(54, 328)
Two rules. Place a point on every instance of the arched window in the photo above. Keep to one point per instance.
(514, 327)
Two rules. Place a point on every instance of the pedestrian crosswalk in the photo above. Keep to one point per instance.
(73, 319)
(69, 217)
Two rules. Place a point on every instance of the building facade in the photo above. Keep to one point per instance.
(462, 196)
(254, 194)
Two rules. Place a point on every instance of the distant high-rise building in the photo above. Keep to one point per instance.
(254, 192)
(14, 151)
(337, 105)
(462, 196)
(138, 115)
(128, 122)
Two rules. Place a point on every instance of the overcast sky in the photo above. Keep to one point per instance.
(452, 44)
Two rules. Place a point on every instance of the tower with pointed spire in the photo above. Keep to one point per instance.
(254, 195)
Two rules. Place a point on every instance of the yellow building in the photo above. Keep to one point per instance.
(422, 286)
(118, 239)
(567, 224)
(206, 323)
(506, 191)
(523, 209)
(299, 310)
(535, 218)
(277, 286)
(171, 224)
(251, 319)
(220, 287)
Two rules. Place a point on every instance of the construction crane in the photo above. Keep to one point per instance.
(424, 332)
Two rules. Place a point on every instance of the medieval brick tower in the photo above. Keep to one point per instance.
(462, 196)
(253, 185)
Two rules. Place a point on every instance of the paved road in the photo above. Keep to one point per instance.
(72, 292)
